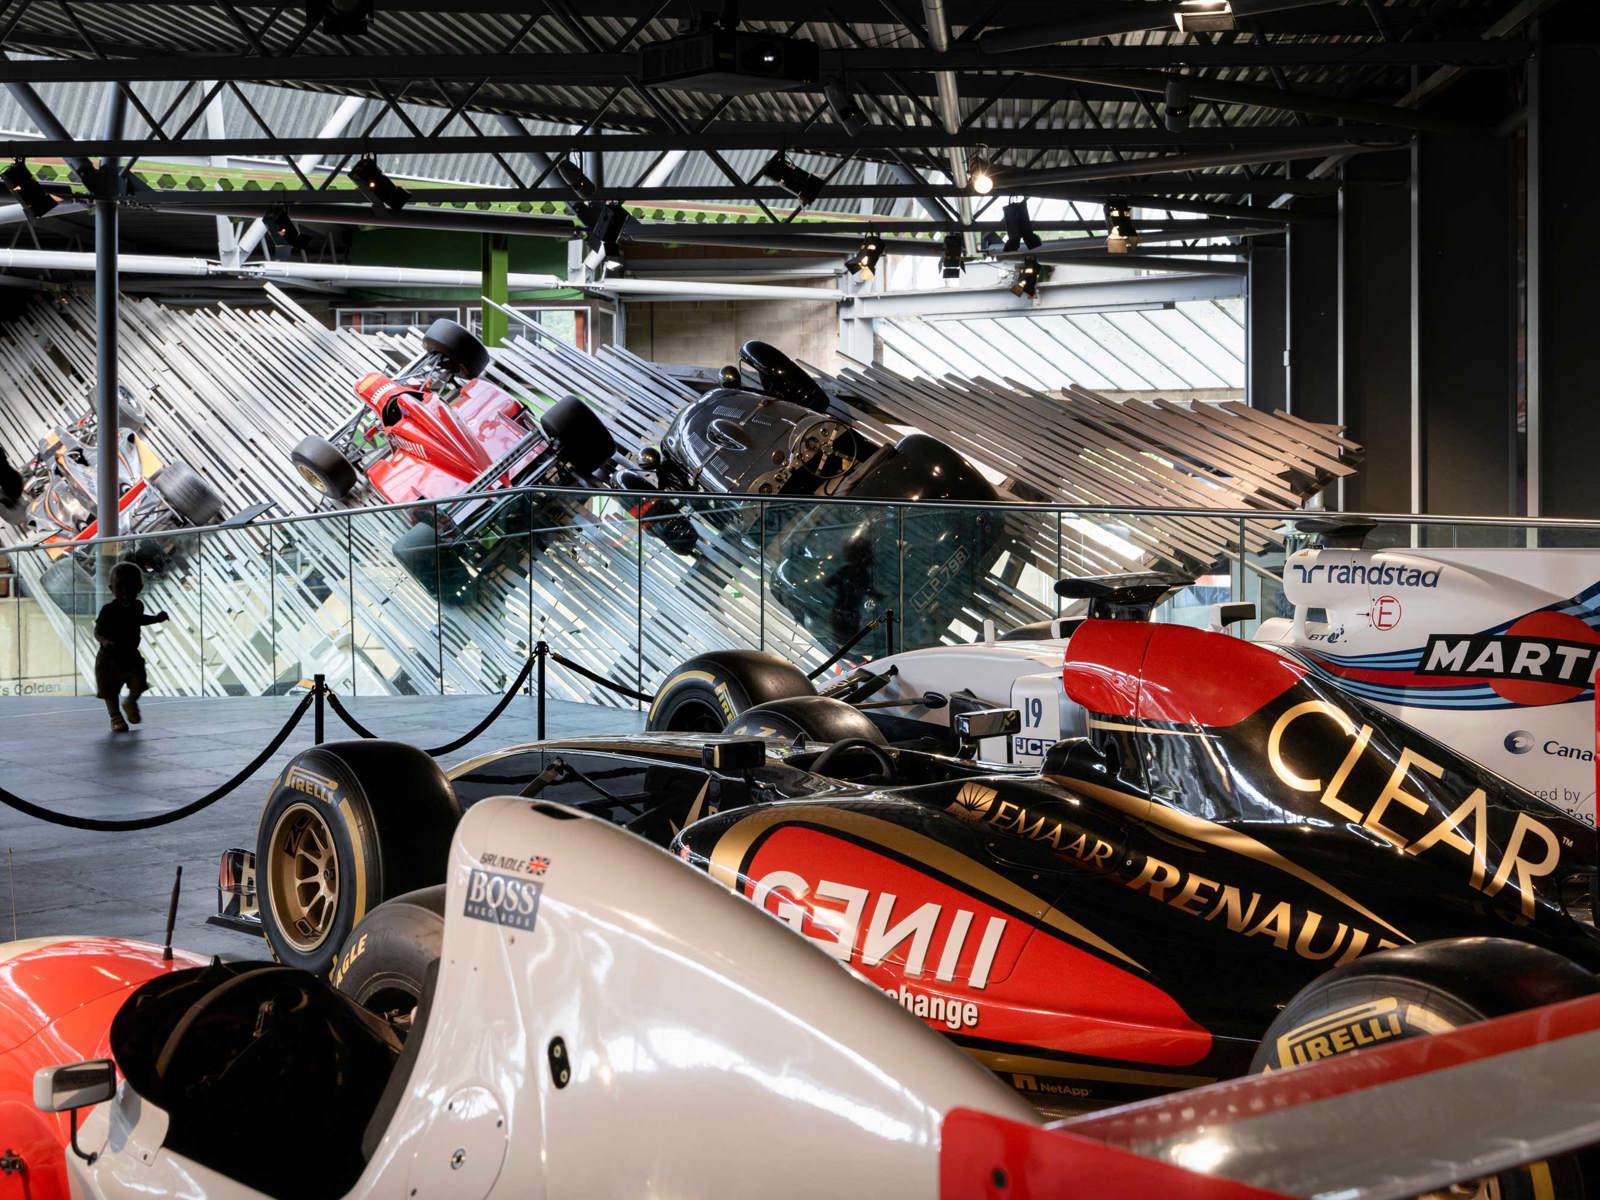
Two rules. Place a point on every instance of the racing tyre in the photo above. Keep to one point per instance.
(1430, 988)
(437, 568)
(346, 826)
(322, 466)
(384, 962)
(814, 718)
(580, 437)
(711, 690)
(192, 498)
(451, 339)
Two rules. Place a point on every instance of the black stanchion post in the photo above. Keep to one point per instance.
(319, 688)
(889, 632)
(540, 652)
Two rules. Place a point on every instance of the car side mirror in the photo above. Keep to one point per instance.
(74, 1085)
(738, 755)
(981, 723)
(975, 725)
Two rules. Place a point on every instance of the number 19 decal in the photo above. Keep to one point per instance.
(1033, 712)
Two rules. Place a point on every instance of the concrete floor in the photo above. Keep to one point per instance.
(59, 753)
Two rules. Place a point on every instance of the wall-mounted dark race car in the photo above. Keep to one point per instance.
(1239, 865)
(786, 438)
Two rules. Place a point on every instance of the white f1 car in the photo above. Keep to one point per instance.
(1493, 652)
(606, 1021)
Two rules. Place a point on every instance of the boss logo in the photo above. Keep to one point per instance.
(502, 899)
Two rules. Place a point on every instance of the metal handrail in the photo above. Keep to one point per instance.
(742, 498)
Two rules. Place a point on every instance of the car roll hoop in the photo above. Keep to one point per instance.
(1126, 597)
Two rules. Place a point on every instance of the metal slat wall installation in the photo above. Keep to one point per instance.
(232, 390)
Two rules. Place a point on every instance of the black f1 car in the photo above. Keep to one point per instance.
(786, 438)
(1239, 865)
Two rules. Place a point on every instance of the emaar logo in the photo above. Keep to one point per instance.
(1519, 741)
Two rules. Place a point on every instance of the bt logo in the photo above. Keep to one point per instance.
(1519, 741)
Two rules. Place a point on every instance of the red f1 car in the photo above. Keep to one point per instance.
(438, 430)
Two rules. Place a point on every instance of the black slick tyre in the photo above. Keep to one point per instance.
(581, 439)
(710, 690)
(191, 497)
(383, 964)
(456, 342)
(322, 466)
(346, 826)
(1432, 988)
(813, 718)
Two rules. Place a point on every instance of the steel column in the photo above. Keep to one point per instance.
(1563, 353)
(1375, 334)
(1463, 314)
(106, 296)
(1265, 327)
(1313, 289)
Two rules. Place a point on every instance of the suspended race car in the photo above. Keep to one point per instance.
(57, 508)
(437, 430)
(1238, 865)
(595, 984)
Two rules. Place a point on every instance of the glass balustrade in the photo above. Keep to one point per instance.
(451, 597)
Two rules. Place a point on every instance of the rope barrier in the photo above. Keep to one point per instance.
(321, 692)
(126, 825)
(494, 713)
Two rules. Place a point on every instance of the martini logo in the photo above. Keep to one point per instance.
(1542, 658)
(1519, 741)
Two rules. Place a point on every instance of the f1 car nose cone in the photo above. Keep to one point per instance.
(1519, 741)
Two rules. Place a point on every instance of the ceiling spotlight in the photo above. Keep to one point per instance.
(992, 243)
(343, 18)
(980, 176)
(282, 229)
(19, 182)
(606, 223)
(1204, 16)
(577, 182)
(1019, 229)
(798, 182)
(844, 108)
(1177, 104)
(1026, 280)
(864, 262)
(954, 260)
(380, 189)
(1121, 236)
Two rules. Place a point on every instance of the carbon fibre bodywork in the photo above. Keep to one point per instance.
(1131, 918)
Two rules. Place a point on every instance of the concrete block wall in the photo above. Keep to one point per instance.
(709, 333)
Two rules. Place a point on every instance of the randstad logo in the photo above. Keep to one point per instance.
(1519, 741)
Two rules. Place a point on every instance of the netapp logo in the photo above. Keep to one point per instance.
(502, 899)
(1500, 656)
(1519, 741)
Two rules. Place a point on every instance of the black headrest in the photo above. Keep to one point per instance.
(1129, 596)
(1336, 531)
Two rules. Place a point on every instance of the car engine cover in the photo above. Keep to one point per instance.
(737, 441)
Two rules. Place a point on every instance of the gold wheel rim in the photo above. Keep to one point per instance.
(311, 477)
(303, 877)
